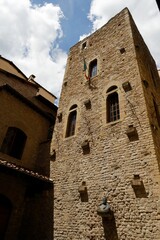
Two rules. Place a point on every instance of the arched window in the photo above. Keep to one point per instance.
(71, 125)
(112, 104)
(93, 68)
(14, 142)
(5, 211)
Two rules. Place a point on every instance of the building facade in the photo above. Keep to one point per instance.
(27, 115)
(106, 144)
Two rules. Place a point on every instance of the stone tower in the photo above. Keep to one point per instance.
(106, 143)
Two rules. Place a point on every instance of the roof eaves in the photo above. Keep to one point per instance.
(11, 63)
(12, 91)
(24, 171)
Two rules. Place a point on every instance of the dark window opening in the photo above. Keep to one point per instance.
(93, 68)
(113, 111)
(14, 142)
(84, 45)
(5, 211)
(71, 123)
(73, 107)
(111, 89)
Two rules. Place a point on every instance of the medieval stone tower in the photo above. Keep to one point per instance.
(106, 143)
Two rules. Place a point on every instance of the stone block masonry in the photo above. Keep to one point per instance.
(121, 162)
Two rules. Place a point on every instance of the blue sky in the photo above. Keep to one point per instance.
(75, 22)
(36, 35)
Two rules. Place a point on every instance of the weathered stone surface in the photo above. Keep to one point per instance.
(113, 159)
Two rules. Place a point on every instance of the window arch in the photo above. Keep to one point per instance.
(14, 142)
(5, 211)
(71, 124)
(112, 104)
(93, 68)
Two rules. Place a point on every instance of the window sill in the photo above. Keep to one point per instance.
(70, 137)
(114, 122)
(94, 77)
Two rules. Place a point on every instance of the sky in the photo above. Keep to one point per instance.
(36, 34)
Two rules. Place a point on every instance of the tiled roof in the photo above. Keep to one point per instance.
(24, 171)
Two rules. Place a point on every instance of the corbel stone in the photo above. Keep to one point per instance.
(126, 86)
(87, 104)
(85, 147)
(138, 186)
(132, 133)
(83, 192)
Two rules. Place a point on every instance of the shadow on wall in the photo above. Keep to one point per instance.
(37, 221)
(109, 226)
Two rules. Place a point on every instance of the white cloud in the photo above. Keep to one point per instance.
(29, 34)
(145, 14)
(28, 38)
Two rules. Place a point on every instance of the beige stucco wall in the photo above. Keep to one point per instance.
(8, 66)
(17, 114)
(30, 196)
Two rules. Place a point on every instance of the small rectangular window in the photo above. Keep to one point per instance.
(93, 68)
(71, 124)
(84, 45)
(112, 104)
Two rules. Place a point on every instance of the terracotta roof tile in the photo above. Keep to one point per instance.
(24, 171)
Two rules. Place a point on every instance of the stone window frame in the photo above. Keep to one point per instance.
(122, 100)
(14, 142)
(112, 104)
(84, 45)
(93, 68)
(71, 121)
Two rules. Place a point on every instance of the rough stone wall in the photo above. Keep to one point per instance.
(113, 159)
(151, 86)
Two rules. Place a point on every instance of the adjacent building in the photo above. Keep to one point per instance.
(27, 116)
